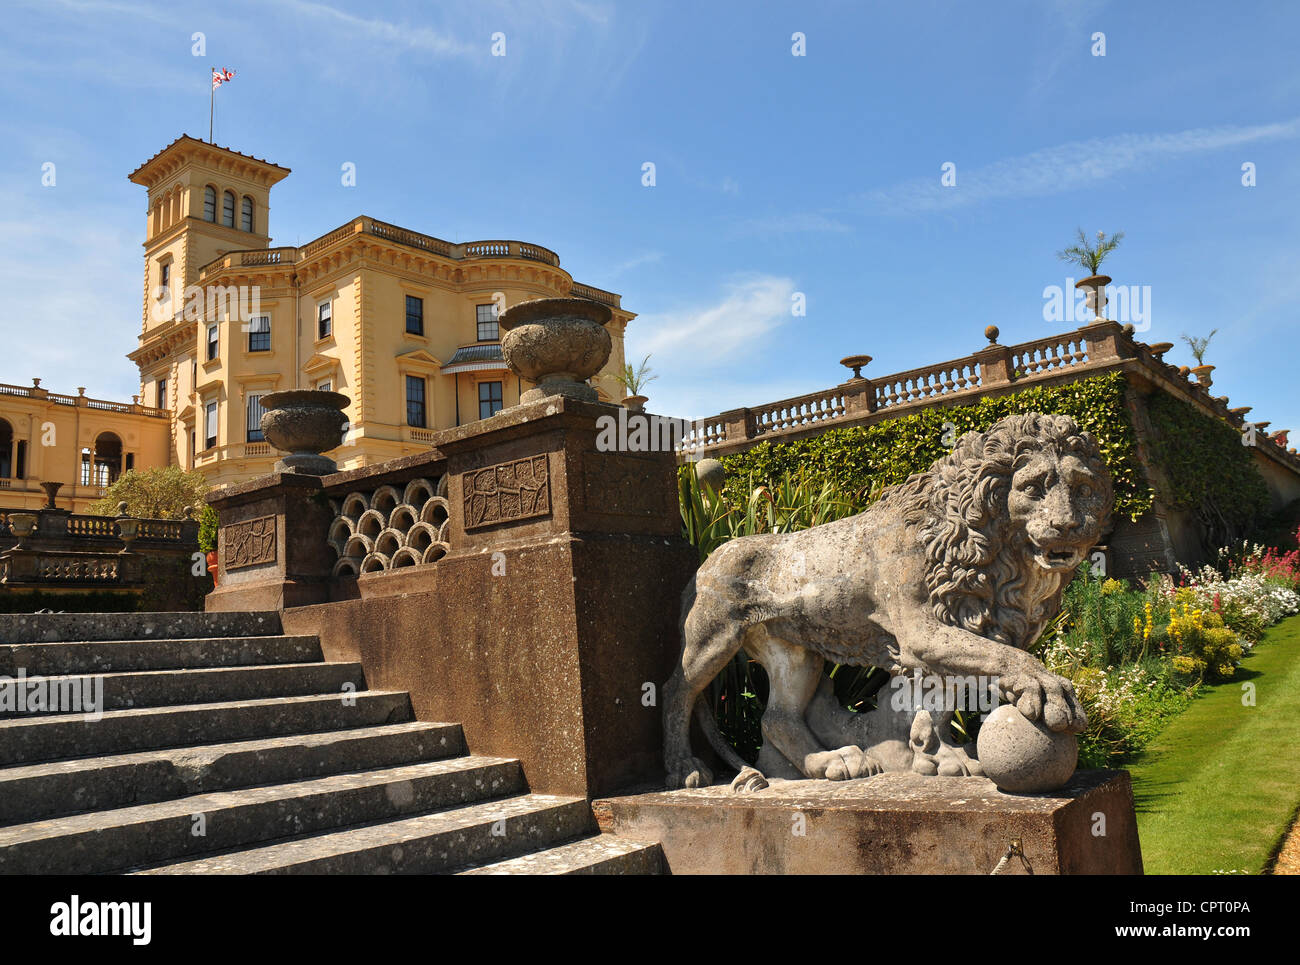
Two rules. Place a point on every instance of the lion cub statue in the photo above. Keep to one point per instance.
(953, 572)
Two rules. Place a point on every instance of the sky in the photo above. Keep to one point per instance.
(787, 169)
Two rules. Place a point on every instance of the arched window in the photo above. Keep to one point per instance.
(6, 449)
(209, 203)
(228, 209)
(246, 215)
(101, 467)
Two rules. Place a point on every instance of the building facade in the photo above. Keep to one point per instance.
(402, 323)
(80, 442)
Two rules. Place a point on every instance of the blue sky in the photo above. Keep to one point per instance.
(775, 174)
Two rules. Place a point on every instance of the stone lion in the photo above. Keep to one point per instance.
(953, 572)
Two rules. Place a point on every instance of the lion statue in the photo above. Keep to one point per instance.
(954, 572)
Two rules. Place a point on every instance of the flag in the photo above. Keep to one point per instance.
(222, 76)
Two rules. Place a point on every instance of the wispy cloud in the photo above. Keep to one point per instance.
(636, 261)
(1066, 167)
(406, 35)
(786, 224)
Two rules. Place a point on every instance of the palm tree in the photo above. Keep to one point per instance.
(1090, 256)
(636, 379)
(1198, 345)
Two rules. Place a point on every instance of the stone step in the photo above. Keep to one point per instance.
(40, 791)
(158, 688)
(428, 843)
(56, 627)
(169, 831)
(117, 656)
(50, 738)
(599, 854)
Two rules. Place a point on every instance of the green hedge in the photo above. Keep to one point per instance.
(860, 458)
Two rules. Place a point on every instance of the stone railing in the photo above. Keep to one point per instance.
(1089, 350)
(391, 521)
(595, 295)
(85, 401)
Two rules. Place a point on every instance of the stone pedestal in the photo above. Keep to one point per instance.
(894, 823)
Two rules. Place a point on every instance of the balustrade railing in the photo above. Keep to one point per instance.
(928, 382)
(802, 410)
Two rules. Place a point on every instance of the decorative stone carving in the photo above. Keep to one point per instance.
(558, 343)
(952, 573)
(506, 492)
(250, 542)
(389, 530)
(304, 423)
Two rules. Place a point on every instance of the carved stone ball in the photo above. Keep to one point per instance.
(991, 333)
(558, 343)
(304, 423)
(1022, 756)
(711, 475)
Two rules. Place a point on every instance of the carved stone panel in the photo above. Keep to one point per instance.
(520, 489)
(249, 543)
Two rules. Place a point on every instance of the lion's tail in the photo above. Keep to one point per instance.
(709, 725)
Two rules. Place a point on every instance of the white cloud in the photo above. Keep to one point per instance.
(783, 224)
(413, 37)
(1066, 167)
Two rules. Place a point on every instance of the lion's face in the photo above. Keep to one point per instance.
(1058, 502)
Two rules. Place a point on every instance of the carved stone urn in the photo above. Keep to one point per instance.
(128, 528)
(558, 343)
(51, 490)
(635, 403)
(22, 525)
(304, 423)
(1094, 289)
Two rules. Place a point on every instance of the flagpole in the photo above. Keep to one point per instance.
(212, 101)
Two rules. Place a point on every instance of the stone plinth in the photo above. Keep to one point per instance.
(894, 823)
(548, 627)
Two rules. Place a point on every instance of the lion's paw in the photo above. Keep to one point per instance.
(1040, 694)
(844, 764)
(956, 762)
(688, 772)
(748, 780)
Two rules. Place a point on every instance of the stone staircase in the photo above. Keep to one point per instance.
(226, 747)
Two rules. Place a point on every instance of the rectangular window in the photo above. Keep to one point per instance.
(325, 386)
(192, 448)
(489, 399)
(414, 315)
(259, 333)
(487, 322)
(255, 411)
(165, 274)
(210, 426)
(20, 459)
(415, 401)
(160, 394)
(324, 324)
(212, 342)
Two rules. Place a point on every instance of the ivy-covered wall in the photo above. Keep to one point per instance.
(860, 458)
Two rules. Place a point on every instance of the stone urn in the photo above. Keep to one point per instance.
(1094, 289)
(1160, 348)
(857, 363)
(128, 528)
(304, 423)
(1202, 373)
(51, 490)
(558, 343)
(635, 403)
(22, 525)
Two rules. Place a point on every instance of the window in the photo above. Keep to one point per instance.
(487, 322)
(160, 394)
(165, 275)
(210, 426)
(192, 452)
(415, 401)
(325, 386)
(228, 209)
(414, 315)
(209, 203)
(255, 411)
(246, 214)
(324, 326)
(489, 399)
(212, 341)
(259, 333)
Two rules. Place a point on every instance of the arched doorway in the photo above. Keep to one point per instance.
(101, 466)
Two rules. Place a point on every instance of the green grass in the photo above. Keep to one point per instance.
(1217, 789)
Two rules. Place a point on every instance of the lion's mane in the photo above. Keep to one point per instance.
(976, 574)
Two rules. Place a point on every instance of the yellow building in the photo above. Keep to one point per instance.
(81, 442)
(402, 323)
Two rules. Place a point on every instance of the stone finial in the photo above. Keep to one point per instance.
(857, 363)
(991, 333)
(121, 508)
(304, 423)
(558, 343)
(36, 383)
(1128, 329)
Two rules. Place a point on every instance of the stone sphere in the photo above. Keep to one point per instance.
(710, 474)
(558, 343)
(1022, 756)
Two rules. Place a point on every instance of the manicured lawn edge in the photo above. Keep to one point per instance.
(1218, 787)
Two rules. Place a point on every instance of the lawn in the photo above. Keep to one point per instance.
(1219, 786)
